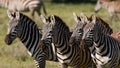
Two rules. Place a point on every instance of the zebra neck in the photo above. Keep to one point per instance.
(97, 31)
(30, 37)
(99, 43)
(62, 44)
(96, 37)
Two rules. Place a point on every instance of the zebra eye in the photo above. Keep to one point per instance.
(80, 30)
(51, 31)
(16, 26)
(80, 33)
(90, 29)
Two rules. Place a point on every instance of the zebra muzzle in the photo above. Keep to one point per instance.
(7, 40)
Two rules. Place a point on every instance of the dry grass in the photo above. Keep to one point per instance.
(15, 55)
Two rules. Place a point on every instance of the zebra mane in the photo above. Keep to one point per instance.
(23, 16)
(59, 21)
(106, 25)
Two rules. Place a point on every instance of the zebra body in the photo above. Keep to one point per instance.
(106, 53)
(104, 27)
(26, 30)
(60, 34)
(78, 32)
(24, 5)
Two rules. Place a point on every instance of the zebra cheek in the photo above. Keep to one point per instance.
(7, 40)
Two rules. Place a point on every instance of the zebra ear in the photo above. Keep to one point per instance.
(17, 15)
(43, 18)
(75, 17)
(52, 19)
(10, 14)
(94, 19)
(83, 17)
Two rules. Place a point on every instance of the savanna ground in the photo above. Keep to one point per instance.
(15, 55)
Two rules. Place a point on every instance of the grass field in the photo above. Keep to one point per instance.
(15, 55)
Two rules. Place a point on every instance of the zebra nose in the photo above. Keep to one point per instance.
(7, 40)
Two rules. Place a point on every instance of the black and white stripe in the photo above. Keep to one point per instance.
(60, 34)
(106, 54)
(26, 30)
(24, 5)
(79, 30)
(103, 26)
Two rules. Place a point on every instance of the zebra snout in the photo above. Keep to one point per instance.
(7, 40)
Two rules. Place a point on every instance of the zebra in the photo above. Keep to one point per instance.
(78, 30)
(24, 5)
(26, 30)
(105, 28)
(106, 53)
(81, 22)
(67, 55)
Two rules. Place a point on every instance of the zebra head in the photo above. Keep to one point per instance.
(47, 30)
(87, 38)
(13, 27)
(54, 28)
(78, 30)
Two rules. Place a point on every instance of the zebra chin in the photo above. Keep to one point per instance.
(8, 41)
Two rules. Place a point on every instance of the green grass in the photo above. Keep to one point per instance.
(15, 55)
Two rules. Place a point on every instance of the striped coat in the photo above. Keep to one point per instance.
(106, 53)
(23, 5)
(67, 54)
(22, 27)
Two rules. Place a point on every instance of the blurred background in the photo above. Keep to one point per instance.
(16, 56)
